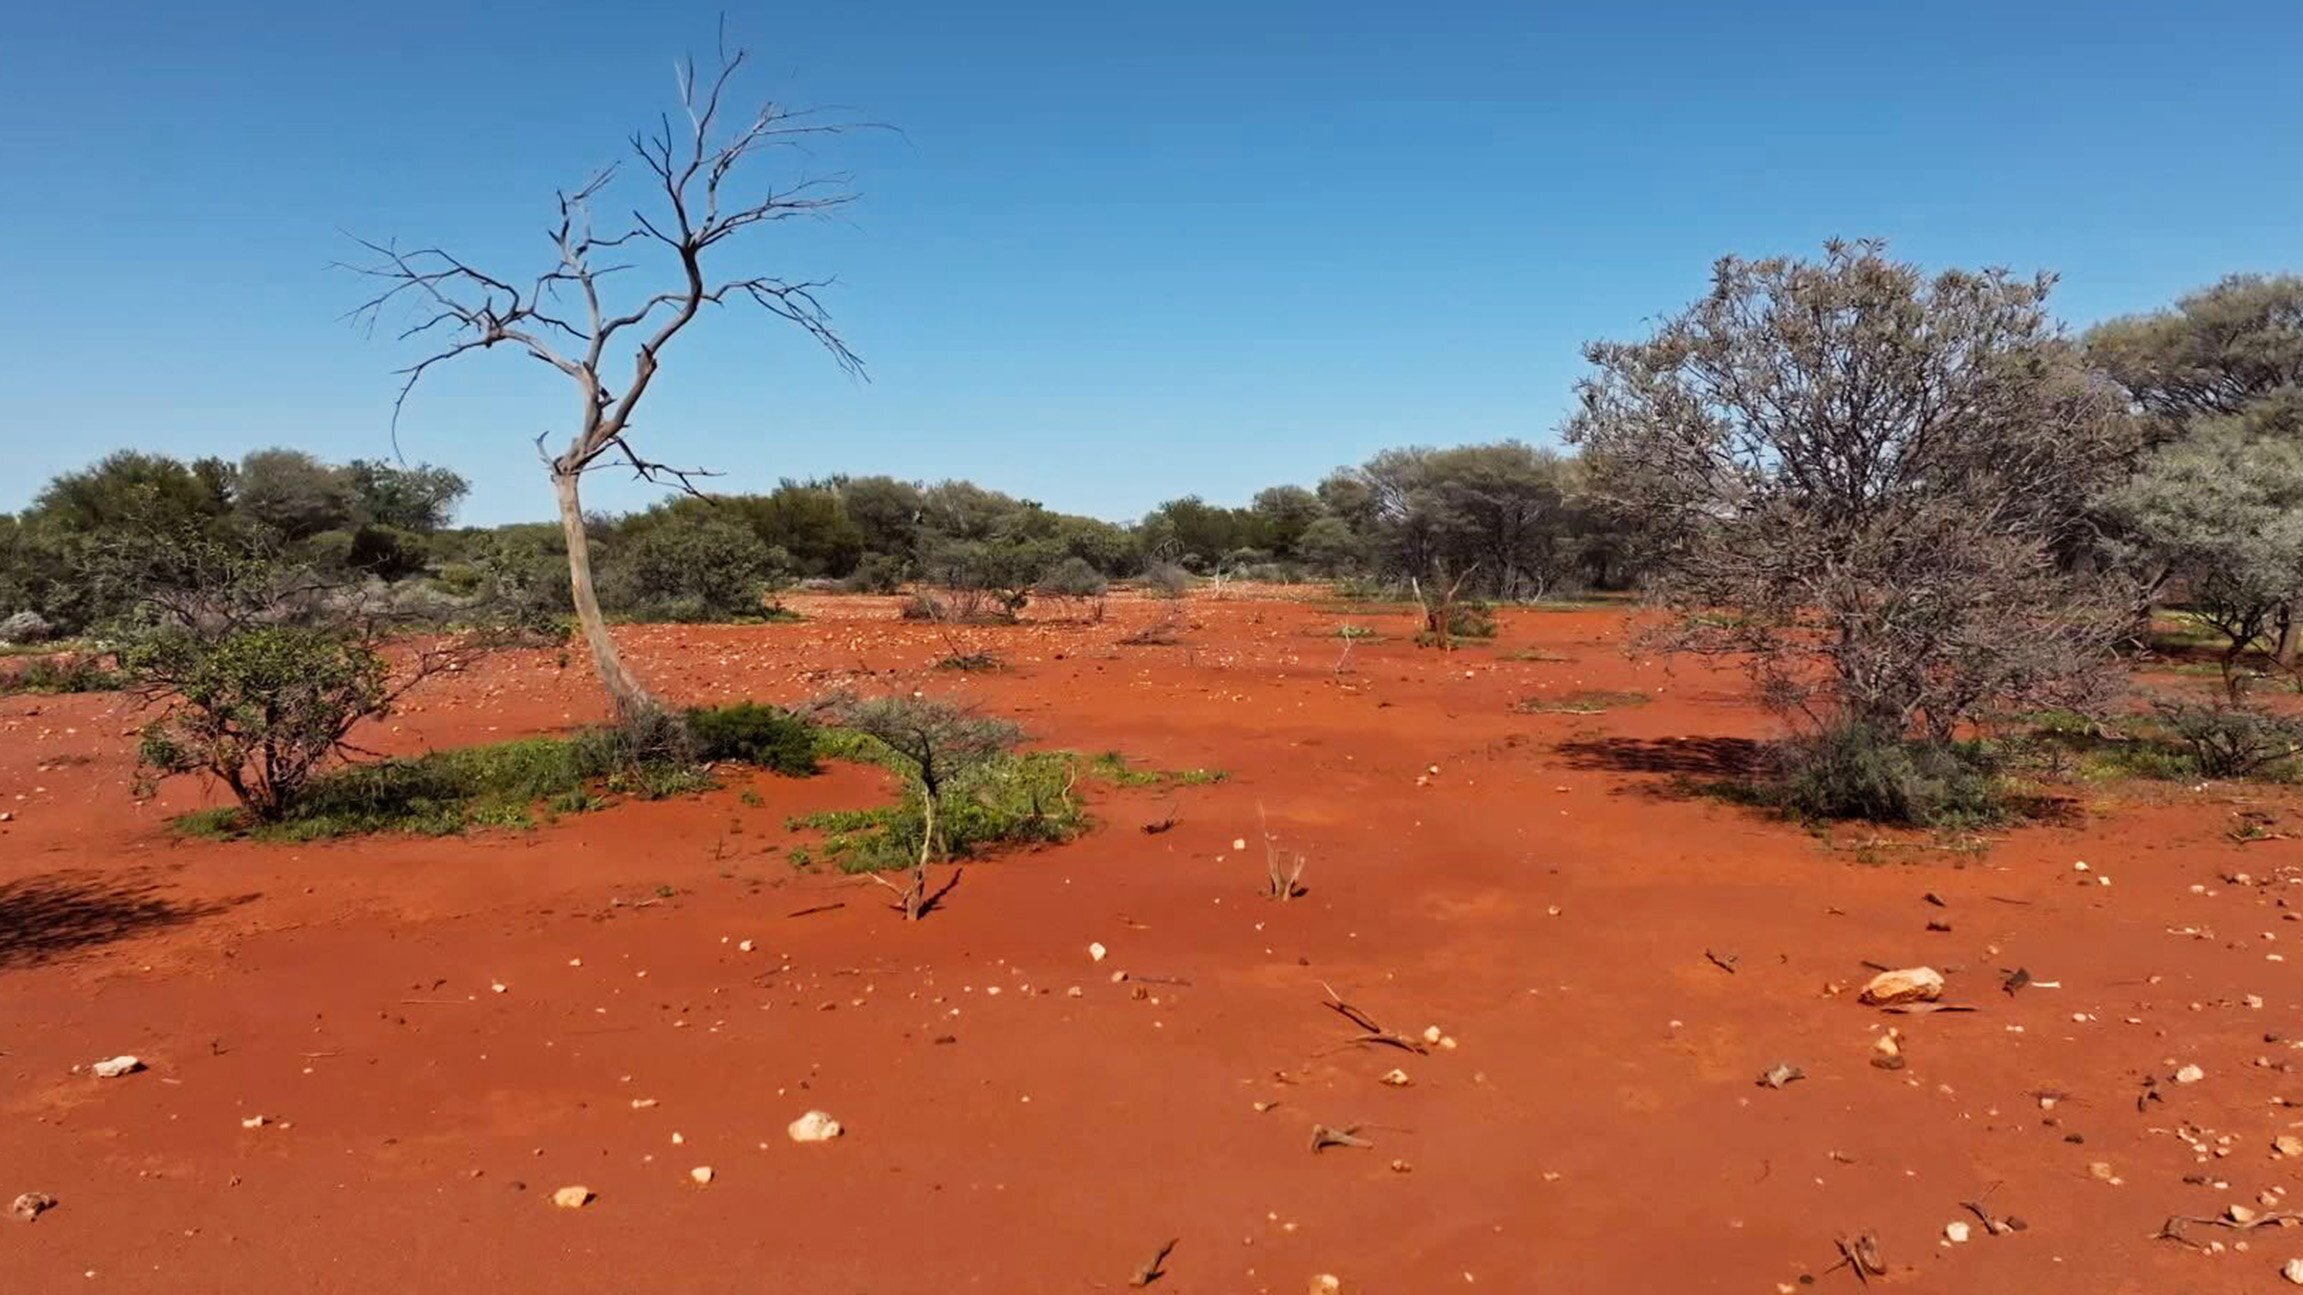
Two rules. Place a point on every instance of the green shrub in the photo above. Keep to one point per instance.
(688, 567)
(74, 672)
(1073, 578)
(257, 709)
(1166, 580)
(876, 573)
(2234, 739)
(1005, 799)
(1853, 771)
(754, 734)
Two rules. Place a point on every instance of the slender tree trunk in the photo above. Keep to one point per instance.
(624, 689)
(2290, 636)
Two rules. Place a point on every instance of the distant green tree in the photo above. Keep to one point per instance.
(2219, 382)
(418, 499)
(295, 495)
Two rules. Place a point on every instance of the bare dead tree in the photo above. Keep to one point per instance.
(700, 197)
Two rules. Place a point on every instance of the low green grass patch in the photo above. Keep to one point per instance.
(515, 784)
(1113, 767)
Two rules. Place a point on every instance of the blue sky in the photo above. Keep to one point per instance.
(1117, 253)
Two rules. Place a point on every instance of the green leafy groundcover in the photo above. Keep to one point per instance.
(1019, 798)
(509, 784)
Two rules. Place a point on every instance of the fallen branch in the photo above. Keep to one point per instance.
(1724, 961)
(2172, 1229)
(1156, 1267)
(1862, 1255)
(1323, 1137)
(1370, 1031)
(820, 908)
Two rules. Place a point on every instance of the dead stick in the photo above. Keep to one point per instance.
(1156, 1268)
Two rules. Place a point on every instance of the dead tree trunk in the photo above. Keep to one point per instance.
(624, 689)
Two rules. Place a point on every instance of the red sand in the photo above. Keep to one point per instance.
(1542, 898)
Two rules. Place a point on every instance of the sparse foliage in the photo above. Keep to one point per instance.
(702, 197)
(1858, 478)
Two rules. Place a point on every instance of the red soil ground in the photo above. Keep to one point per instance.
(1529, 883)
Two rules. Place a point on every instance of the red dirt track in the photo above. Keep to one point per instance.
(1545, 898)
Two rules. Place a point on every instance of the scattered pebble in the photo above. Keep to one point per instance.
(1096, 952)
(2190, 1074)
(115, 1067)
(31, 1205)
(572, 1198)
(1396, 1078)
(1955, 1232)
(701, 1175)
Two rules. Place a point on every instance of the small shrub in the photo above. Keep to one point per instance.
(921, 607)
(754, 734)
(1464, 620)
(1853, 771)
(648, 738)
(1008, 799)
(75, 672)
(1073, 578)
(969, 661)
(876, 573)
(2234, 739)
(968, 789)
(1166, 580)
(257, 709)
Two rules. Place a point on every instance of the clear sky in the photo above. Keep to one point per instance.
(1119, 252)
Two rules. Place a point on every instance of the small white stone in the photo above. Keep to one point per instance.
(815, 1126)
(1239, 843)
(572, 1198)
(701, 1175)
(254, 1122)
(1431, 1033)
(114, 1067)
(2293, 1272)
(1396, 1078)
(743, 946)
(2190, 1074)
(1096, 952)
(1955, 1232)
(499, 987)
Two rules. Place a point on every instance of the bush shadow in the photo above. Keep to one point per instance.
(55, 914)
(1684, 757)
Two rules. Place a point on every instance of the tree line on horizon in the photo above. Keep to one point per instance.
(1517, 519)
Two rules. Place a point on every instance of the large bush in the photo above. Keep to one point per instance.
(259, 709)
(689, 567)
(1861, 481)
